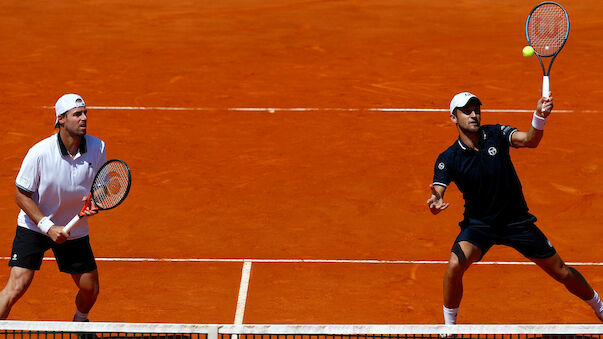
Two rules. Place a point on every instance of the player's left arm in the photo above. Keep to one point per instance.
(532, 137)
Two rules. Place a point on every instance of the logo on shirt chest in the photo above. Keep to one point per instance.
(492, 151)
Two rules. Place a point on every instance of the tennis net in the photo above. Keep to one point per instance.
(63, 330)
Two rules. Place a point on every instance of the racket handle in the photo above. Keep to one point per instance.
(546, 86)
(71, 223)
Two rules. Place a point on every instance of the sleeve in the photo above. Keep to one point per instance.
(507, 134)
(102, 156)
(441, 171)
(28, 178)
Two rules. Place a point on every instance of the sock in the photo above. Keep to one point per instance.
(450, 315)
(79, 316)
(596, 304)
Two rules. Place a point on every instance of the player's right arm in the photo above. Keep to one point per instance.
(28, 205)
(532, 137)
(27, 182)
(436, 201)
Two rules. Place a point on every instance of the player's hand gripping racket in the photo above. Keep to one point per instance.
(110, 187)
(547, 29)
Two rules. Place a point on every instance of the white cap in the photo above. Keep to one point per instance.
(65, 103)
(461, 99)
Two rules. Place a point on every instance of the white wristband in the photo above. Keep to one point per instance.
(538, 122)
(45, 224)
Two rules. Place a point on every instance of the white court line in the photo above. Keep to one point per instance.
(315, 261)
(305, 109)
(242, 300)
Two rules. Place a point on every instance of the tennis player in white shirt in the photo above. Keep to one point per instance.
(54, 180)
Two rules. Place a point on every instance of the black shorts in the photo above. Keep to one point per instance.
(527, 239)
(73, 256)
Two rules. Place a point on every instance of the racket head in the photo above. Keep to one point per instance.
(547, 28)
(111, 184)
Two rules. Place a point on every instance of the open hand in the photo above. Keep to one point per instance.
(436, 201)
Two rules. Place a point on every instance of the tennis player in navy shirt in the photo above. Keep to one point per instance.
(496, 213)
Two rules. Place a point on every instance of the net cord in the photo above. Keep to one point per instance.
(213, 330)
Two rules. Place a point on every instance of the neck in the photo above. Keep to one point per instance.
(71, 142)
(471, 139)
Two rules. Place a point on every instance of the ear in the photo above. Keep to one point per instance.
(453, 118)
(62, 118)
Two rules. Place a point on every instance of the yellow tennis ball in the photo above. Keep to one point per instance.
(527, 51)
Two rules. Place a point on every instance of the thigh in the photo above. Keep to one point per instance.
(530, 241)
(28, 249)
(479, 236)
(75, 256)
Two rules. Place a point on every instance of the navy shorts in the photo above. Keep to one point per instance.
(73, 256)
(527, 239)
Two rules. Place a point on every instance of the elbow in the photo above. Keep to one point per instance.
(18, 200)
(21, 196)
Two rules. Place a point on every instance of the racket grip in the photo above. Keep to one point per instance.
(71, 223)
(546, 86)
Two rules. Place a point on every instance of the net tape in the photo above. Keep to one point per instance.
(27, 330)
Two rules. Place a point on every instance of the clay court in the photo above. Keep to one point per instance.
(261, 130)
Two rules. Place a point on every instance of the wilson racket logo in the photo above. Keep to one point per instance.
(114, 185)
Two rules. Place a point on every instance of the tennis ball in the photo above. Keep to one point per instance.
(527, 51)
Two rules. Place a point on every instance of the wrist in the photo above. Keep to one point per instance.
(538, 122)
(45, 224)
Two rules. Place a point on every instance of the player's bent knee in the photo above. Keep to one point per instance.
(89, 285)
(460, 255)
(91, 289)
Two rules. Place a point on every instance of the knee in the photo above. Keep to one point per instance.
(458, 263)
(562, 273)
(15, 288)
(89, 286)
(91, 289)
(455, 268)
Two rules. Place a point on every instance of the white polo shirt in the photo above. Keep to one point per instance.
(58, 182)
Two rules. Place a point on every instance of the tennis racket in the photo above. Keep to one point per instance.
(110, 187)
(547, 30)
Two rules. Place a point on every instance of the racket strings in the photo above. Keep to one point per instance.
(547, 29)
(111, 185)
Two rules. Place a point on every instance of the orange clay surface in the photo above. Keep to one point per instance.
(323, 184)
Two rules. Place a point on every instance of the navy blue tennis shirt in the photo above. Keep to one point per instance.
(491, 189)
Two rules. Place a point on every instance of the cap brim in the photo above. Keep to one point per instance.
(464, 102)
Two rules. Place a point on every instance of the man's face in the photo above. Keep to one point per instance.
(75, 121)
(468, 118)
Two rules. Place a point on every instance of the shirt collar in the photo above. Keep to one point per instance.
(462, 145)
(83, 148)
(466, 148)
